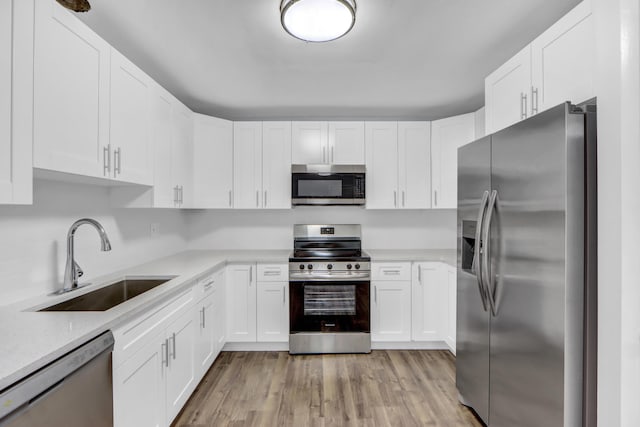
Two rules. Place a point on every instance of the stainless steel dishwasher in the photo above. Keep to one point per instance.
(73, 391)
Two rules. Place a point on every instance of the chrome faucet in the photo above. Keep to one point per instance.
(72, 270)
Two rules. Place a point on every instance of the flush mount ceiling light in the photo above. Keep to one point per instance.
(318, 20)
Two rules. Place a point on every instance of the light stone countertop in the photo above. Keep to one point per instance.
(447, 256)
(31, 339)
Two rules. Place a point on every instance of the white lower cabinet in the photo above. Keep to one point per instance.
(209, 316)
(429, 302)
(154, 365)
(391, 310)
(273, 312)
(241, 303)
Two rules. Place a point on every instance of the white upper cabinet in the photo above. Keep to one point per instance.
(182, 154)
(447, 135)
(556, 67)
(398, 165)
(247, 165)
(213, 163)
(339, 143)
(563, 59)
(16, 93)
(71, 94)
(309, 145)
(130, 128)
(382, 165)
(414, 166)
(276, 165)
(346, 143)
(507, 92)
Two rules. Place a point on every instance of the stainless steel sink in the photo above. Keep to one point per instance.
(109, 296)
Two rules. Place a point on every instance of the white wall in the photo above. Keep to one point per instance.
(33, 249)
(618, 89)
(274, 229)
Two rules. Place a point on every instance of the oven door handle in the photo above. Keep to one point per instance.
(333, 276)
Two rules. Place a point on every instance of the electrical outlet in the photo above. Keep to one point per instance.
(155, 229)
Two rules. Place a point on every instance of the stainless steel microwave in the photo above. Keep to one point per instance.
(328, 185)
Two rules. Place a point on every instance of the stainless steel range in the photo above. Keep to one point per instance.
(329, 291)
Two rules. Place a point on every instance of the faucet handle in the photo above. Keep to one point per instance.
(79, 271)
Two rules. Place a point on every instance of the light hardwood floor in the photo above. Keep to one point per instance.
(384, 388)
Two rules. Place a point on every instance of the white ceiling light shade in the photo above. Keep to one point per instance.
(318, 20)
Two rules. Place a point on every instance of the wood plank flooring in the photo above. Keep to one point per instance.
(384, 388)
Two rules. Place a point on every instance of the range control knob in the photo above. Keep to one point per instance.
(349, 266)
(301, 266)
(357, 266)
(310, 266)
(329, 266)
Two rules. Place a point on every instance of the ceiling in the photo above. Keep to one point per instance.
(404, 59)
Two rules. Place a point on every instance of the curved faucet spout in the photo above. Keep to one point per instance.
(71, 271)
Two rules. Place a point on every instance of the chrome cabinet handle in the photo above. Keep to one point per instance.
(391, 272)
(395, 199)
(403, 197)
(257, 198)
(230, 198)
(204, 319)
(165, 353)
(106, 160)
(375, 294)
(478, 248)
(523, 106)
(117, 162)
(486, 274)
(173, 338)
(420, 275)
(265, 198)
(324, 154)
(534, 100)
(272, 273)
(250, 275)
(284, 294)
(208, 285)
(332, 157)
(435, 197)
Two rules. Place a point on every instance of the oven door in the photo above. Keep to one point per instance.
(329, 306)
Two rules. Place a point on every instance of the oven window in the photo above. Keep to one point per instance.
(319, 188)
(332, 300)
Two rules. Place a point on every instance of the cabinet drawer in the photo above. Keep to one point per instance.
(391, 271)
(133, 335)
(273, 272)
(208, 284)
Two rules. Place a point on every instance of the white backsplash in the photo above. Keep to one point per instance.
(264, 229)
(33, 252)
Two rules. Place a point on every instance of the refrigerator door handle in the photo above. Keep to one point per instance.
(487, 275)
(479, 247)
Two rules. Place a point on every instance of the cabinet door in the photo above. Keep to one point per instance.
(507, 92)
(429, 302)
(273, 312)
(382, 164)
(309, 144)
(180, 380)
(219, 315)
(129, 134)
(71, 94)
(276, 165)
(213, 162)
(414, 165)
(452, 311)
(563, 59)
(447, 136)
(391, 311)
(162, 131)
(205, 344)
(16, 94)
(241, 303)
(182, 149)
(346, 143)
(247, 165)
(139, 387)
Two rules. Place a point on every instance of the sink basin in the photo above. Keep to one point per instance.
(109, 296)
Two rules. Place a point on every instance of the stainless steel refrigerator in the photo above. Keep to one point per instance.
(526, 272)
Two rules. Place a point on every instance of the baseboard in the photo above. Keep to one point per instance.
(379, 345)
